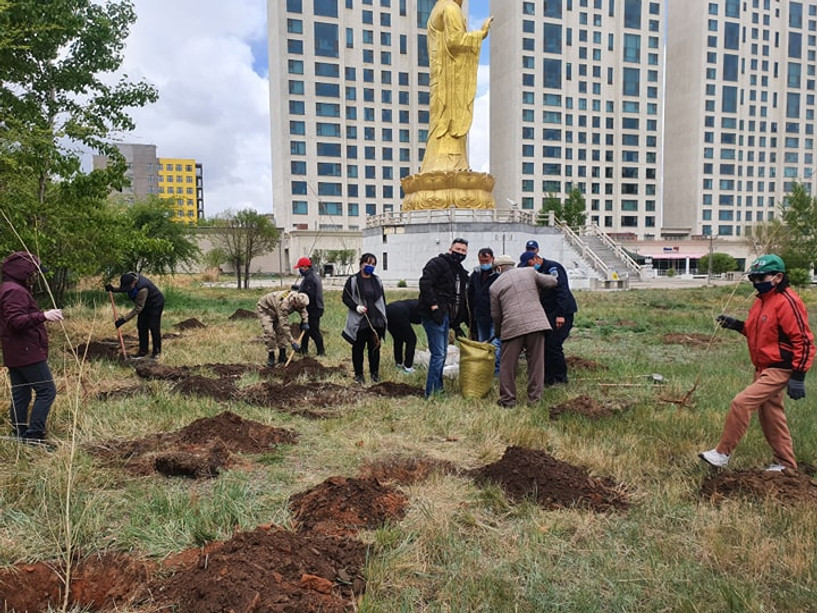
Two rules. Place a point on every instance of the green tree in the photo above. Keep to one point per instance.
(152, 241)
(571, 211)
(56, 100)
(800, 217)
(243, 235)
(721, 263)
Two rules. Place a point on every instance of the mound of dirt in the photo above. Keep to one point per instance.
(787, 487)
(406, 471)
(242, 314)
(232, 370)
(200, 464)
(152, 370)
(391, 389)
(103, 582)
(529, 473)
(189, 324)
(312, 401)
(209, 443)
(585, 406)
(306, 368)
(341, 506)
(101, 350)
(574, 362)
(691, 339)
(219, 389)
(271, 571)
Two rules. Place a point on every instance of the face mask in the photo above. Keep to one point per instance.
(486, 267)
(763, 287)
(537, 266)
(303, 271)
(458, 257)
(368, 269)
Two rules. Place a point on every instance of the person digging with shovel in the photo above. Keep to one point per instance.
(148, 305)
(273, 311)
(781, 347)
(366, 320)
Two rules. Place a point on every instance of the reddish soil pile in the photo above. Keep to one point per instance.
(691, 339)
(103, 582)
(553, 484)
(219, 389)
(576, 363)
(406, 471)
(341, 506)
(199, 450)
(189, 324)
(587, 407)
(787, 487)
(304, 367)
(268, 571)
(243, 314)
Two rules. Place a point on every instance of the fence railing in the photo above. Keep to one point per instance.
(586, 252)
(594, 230)
(452, 215)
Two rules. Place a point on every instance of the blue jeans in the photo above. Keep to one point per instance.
(25, 379)
(437, 335)
(485, 330)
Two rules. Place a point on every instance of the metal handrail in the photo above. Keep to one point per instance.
(625, 257)
(450, 215)
(583, 249)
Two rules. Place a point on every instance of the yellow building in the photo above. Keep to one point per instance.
(180, 180)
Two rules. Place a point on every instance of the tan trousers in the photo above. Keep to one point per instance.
(534, 346)
(764, 395)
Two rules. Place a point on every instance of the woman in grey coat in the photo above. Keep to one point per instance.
(366, 320)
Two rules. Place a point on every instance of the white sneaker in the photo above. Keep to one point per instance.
(775, 468)
(715, 458)
(408, 370)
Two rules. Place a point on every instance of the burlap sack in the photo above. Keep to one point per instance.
(476, 368)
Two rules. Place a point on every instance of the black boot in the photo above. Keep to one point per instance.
(270, 358)
(282, 356)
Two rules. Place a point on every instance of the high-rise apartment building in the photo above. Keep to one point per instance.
(576, 102)
(740, 110)
(179, 180)
(349, 98)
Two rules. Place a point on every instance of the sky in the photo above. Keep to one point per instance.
(208, 61)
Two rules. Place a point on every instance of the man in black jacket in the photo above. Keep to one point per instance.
(481, 326)
(560, 306)
(148, 304)
(443, 304)
(312, 286)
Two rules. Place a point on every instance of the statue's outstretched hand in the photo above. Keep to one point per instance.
(486, 25)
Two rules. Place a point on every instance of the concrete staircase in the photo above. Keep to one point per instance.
(605, 256)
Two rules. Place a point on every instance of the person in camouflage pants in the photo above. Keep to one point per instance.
(273, 311)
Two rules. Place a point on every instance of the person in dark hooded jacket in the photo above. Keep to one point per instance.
(25, 346)
(148, 304)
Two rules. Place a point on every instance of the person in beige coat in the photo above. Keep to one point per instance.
(520, 323)
(273, 310)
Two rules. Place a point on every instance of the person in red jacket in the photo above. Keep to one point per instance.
(25, 346)
(781, 347)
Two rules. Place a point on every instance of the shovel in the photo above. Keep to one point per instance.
(292, 355)
(119, 330)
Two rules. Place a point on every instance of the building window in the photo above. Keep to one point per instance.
(326, 8)
(326, 39)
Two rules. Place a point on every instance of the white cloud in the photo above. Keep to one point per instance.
(212, 105)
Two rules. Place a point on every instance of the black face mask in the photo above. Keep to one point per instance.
(459, 258)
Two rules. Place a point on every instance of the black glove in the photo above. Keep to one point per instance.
(119, 322)
(796, 389)
(729, 323)
(108, 287)
(294, 287)
(437, 316)
(296, 346)
(304, 325)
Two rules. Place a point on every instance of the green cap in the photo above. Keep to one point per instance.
(766, 264)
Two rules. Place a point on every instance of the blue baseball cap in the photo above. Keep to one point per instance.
(530, 245)
(526, 257)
